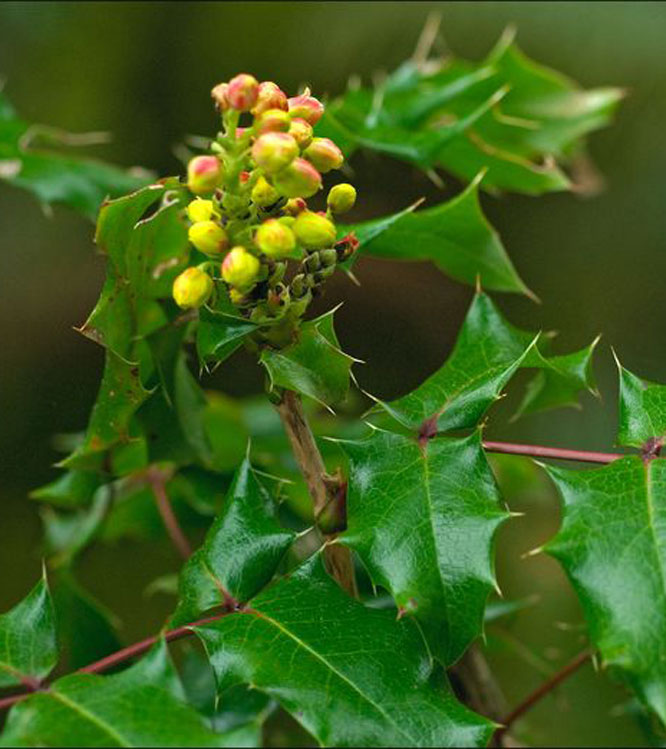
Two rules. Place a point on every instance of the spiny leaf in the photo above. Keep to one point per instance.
(423, 520)
(642, 415)
(141, 706)
(28, 648)
(53, 177)
(455, 235)
(488, 352)
(219, 334)
(241, 552)
(72, 489)
(314, 365)
(351, 675)
(612, 544)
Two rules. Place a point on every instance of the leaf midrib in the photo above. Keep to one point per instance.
(332, 669)
(78, 708)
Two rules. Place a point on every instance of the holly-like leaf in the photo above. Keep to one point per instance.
(642, 413)
(241, 553)
(488, 352)
(120, 394)
(28, 648)
(506, 114)
(423, 519)
(219, 334)
(54, 177)
(314, 365)
(141, 706)
(72, 489)
(612, 545)
(455, 235)
(351, 675)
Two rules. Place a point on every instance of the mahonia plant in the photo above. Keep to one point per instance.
(343, 581)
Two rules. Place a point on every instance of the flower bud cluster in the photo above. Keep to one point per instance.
(250, 216)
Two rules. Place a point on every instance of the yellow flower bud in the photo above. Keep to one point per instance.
(240, 269)
(263, 193)
(298, 180)
(301, 132)
(270, 96)
(274, 151)
(306, 107)
(341, 198)
(275, 239)
(273, 121)
(201, 210)
(192, 288)
(204, 174)
(208, 237)
(324, 155)
(314, 231)
(294, 206)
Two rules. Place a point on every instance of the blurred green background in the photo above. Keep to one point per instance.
(144, 70)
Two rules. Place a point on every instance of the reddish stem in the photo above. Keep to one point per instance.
(542, 691)
(131, 651)
(157, 481)
(558, 453)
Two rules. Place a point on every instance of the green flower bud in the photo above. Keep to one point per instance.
(298, 180)
(341, 198)
(220, 96)
(301, 132)
(208, 237)
(240, 269)
(192, 288)
(298, 285)
(273, 121)
(306, 107)
(243, 92)
(314, 231)
(270, 96)
(204, 174)
(274, 151)
(201, 210)
(324, 155)
(328, 258)
(275, 239)
(264, 194)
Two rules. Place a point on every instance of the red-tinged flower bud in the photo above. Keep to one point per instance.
(306, 107)
(314, 231)
(264, 194)
(242, 92)
(295, 206)
(219, 94)
(244, 176)
(192, 288)
(273, 121)
(208, 237)
(341, 198)
(240, 269)
(270, 96)
(275, 240)
(204, 174)
(346, 246)
(201, 210)
(301, 132)
(324, 155)
(274, 151)
(299, 180)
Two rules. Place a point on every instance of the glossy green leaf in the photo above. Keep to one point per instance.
(642, 412)
(241, 553)
(488, 352)
(455, 235)
(28, 648)
(351, 675)
(560, 381)
(219, 334)
(71, 489)
(141, 706)
(314, 365)
(612, 544)
(53, 176)
(506, 113)
(120, 394)
(423, 519)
